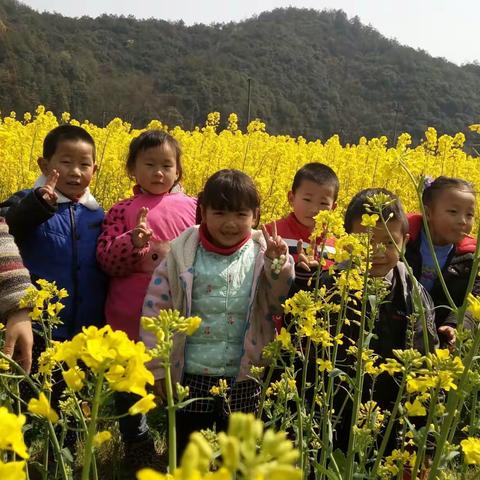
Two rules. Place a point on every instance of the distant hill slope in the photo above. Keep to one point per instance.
(313, 73)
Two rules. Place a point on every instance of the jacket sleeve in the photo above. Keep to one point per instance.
(14, 277)
(116, 253)
(158, 298)
(25, 211)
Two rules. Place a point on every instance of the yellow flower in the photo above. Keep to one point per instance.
(144, 405)
(12, 471)
(415, 409)
(4, 364)
(42, 407)
(474, 306)
(369, 221)
(324, 365)
(149, 474)
(471, 450)
(74, 378)
(391, 366)
(221, 389)
(284, 338)
(193, 324)
(101, 437)
(11, 437)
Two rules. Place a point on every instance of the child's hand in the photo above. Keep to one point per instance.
(448, 334)
(306, 262)
(275, 244)
(19, 338)
(141, 233)
(47, 192)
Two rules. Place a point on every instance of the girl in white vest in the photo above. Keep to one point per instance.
(224, 272)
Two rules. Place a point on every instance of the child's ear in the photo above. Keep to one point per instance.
(334, 206)
(256, 218)
(428, 212)
(290, 197)
(203, 212)
(95, 166)
(42, 164)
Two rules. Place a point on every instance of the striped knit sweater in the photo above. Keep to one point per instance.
(14, 277)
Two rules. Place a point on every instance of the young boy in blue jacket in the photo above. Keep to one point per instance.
(56, 225)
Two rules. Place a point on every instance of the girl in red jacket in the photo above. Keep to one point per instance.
(450, 210)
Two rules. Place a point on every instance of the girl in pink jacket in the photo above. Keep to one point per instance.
(136, 231)
(135, 238)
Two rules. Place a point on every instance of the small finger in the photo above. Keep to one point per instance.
(142, 216)
(266, 235)
(274, 230)
(300, 247)
(303, 266)
(52, 179)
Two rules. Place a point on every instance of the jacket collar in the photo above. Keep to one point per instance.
(87, 199)
(415, 221)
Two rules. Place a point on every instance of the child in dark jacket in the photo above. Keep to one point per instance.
(450, 209)
(391, 327)
(56, 225)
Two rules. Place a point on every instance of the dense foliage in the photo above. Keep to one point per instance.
(312, 73)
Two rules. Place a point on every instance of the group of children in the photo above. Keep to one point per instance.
(159, 249)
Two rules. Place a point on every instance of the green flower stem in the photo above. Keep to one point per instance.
(304, 448)
(92, 428)
(325, 453)
(389, 428)
(51, 429)
(422, 447)
(264, 389)
(358, 373)
(172, 433)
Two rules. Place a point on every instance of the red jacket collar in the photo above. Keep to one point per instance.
(415, 222)
(207, 243)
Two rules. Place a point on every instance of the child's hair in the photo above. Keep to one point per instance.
(230, 190)
(433, 189)
(359, 203)
(63, 133)
(317, 173)
(151, 139)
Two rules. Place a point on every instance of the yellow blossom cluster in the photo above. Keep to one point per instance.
(247, 452)
(271, 160)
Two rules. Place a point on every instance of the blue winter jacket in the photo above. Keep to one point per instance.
(58, 243)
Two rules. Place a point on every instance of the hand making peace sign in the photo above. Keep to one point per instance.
(47, 192)
(275, 244)
(141, 234)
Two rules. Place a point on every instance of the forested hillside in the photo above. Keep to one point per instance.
(312, 73)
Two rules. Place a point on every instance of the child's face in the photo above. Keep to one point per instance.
(155, 169)
(74, 162)
(309, 198)
(385, 254)
(451, 216)
(228, 228)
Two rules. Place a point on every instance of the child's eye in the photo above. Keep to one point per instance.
(306, 200)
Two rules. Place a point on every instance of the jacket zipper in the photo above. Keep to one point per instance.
(71, 327)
